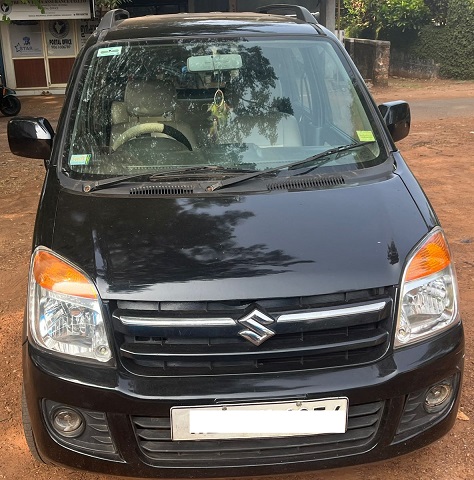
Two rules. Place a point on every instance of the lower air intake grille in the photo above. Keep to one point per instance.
(153, 435)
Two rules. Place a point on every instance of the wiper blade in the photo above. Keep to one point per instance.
(199, 169)
(337, 151)
(320, 156)
(176, 172)
(110, 182)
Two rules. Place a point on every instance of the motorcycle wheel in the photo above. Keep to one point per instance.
(10, 106)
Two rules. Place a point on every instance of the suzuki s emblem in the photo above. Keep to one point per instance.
(256, 330)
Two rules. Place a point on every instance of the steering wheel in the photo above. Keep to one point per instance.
(144, 128)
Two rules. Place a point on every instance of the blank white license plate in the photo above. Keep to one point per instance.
(259, 420)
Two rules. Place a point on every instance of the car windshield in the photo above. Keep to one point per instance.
(237, 104)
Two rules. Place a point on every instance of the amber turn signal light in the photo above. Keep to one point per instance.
(431, 258)
(54, 274)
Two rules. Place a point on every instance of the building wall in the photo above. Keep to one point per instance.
(326, 8)
(211, 5)
(372, 58)
(38, 54)
(405, 65)
(138, 8)
(39, 47)
(250, 5)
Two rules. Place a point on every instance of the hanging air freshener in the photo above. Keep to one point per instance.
(219, 114)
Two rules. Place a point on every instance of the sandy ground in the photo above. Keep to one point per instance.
(440, 152)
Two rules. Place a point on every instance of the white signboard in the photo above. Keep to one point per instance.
(53, 9)
(84, 30)
(26, 40)
(60, 38)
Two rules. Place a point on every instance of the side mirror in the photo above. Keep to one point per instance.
(30, 137)
(397, 117)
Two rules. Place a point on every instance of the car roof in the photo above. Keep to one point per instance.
(209, 24)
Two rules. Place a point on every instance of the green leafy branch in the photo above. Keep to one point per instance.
(36, 3)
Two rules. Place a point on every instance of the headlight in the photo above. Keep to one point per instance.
(64, 312)
(428, 302)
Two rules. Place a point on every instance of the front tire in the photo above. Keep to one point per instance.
(10, 106)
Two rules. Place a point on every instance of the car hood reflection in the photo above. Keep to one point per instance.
(278, 244)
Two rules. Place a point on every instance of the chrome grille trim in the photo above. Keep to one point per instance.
(193, 338)
(326, 314)
(177, 322)
(227, 321)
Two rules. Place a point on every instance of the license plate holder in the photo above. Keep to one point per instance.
(260, 420)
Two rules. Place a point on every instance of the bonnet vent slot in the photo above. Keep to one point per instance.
(162, 190)
(307, 183)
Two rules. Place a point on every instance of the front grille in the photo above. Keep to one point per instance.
(203, 338)
(153, 435)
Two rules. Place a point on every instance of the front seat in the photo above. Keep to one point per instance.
(268, 128)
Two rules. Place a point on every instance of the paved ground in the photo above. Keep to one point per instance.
(439, 151)
(443, 108)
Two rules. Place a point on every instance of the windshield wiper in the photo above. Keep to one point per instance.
(176, 172)
(179, 172)
(319, 156)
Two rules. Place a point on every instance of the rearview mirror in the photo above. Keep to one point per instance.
(30, 137)
(214, 63)
(397, 117)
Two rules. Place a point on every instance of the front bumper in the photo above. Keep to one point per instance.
(386, 416)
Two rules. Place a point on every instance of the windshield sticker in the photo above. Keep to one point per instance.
(109, 52)
(365, 136)
(80, 159)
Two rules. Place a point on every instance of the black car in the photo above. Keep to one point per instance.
(234, 272)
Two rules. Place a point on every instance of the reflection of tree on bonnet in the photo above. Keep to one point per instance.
(199, 243)
(184, 240)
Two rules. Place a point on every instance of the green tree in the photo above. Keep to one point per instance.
(37, 3)
(369, 18)
(450, 42)
(460, 26)
(438, 11)
(105, 5)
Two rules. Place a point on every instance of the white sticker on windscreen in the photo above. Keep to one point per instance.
(80, 159)
(109, 51)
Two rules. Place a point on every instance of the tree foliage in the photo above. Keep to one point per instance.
(438, 11)
(368, 18)
(460, 36)
(37, 3)
(450, 44)
(109, 4)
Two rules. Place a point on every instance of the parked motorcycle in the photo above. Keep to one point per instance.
(10, 105)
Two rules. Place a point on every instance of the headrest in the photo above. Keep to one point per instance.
(119, 113)
(150, 98)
